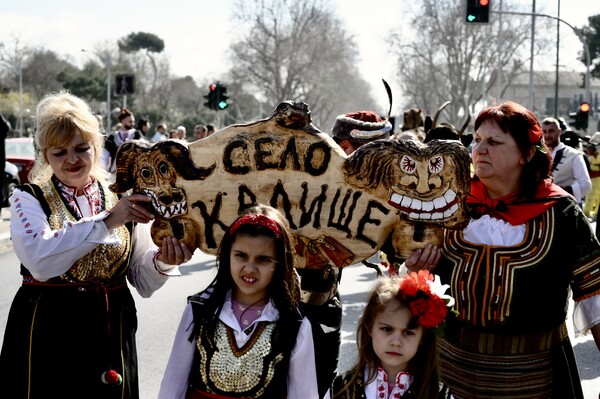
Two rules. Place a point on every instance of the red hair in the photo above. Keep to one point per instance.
(524, 127)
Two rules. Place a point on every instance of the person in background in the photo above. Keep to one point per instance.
(592, 199)
(114, 140)
(352, 130)
(160, 134)
(143, 127)
(210, 129)
(511, 270)
(100, 119)
(319, 286)
(174, 134)
(568, 167)
(71, 327)
(396, 339)
(4, 129)
(244, 336)
(181, 133)
(200, 132)
(407, 135)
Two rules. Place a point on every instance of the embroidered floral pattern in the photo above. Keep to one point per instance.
(401, 385)
(91, 192)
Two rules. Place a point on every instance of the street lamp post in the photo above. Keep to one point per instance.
(108, 81)
(106, 61)
(579, 35)
(21, 97)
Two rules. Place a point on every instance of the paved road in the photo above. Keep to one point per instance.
(159, 316)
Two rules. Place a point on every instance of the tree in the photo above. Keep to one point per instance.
(450, 60)
(88, 83)
(295, 50)
(13, 59)
(143, 41)
(9, 108)
(591, 33)
(42, 70)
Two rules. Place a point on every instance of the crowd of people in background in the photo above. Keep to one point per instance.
(127, 130)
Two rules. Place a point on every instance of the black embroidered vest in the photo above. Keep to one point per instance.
(104, 263)
(259, 369)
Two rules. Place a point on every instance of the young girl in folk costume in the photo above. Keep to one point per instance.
(397, 351)
(244, 336)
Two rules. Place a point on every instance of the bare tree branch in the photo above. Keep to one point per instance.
(449, 59)
(297, 50)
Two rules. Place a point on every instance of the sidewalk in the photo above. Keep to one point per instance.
(5, 243)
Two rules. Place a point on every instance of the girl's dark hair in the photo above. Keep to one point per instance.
(519, 122)
(283, 290)
(424, 365)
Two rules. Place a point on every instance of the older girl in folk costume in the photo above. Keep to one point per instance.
(397, 352)
(71, 328)
(244, 337)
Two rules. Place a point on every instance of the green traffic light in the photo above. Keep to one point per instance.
(471, 17)
(223, 104)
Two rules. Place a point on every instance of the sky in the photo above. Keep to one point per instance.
(197, 32)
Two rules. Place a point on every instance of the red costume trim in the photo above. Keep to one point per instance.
(194, 393)
(514, 208)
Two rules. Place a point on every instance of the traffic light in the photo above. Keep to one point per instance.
(221, 97)
(478, 11)
(125, 84)
(211, 97)
(216, 98)
(583, 116)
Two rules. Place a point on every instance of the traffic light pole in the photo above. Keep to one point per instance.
(579, 35)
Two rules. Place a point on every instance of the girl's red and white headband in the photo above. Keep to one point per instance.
(256, 219)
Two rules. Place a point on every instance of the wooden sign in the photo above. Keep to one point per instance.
(341, 208)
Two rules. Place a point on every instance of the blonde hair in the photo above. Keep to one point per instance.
(59, 117)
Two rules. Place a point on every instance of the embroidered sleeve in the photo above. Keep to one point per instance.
(302, 380)
(582, 182)
(586, 315)
(46, 253)
(586, 251)
(175, 380)
(143, 274)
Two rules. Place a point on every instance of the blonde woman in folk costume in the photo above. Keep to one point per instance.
(71, 328)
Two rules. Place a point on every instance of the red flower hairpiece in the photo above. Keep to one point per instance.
(257, 219)
(535, 135)
(426, 297)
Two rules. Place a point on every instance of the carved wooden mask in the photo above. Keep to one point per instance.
(341, 208)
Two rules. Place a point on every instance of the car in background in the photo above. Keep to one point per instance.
(11, 180)
(21, 152)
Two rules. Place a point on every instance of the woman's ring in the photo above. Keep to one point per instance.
(132, 206)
